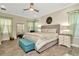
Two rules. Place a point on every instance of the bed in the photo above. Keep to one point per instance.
(46, 38)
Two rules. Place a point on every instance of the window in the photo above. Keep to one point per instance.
(5, 25)
(20, 28)
(31, 25)
(38, 27)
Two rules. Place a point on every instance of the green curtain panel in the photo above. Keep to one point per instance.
(73, 19)
(77, 25)
(5, 22)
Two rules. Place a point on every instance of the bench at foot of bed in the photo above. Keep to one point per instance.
(26, 45)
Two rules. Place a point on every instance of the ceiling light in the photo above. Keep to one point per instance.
(31, 9)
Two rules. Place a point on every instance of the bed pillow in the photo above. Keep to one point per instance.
(49, 30)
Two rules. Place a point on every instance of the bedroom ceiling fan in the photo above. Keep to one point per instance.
(31, 8)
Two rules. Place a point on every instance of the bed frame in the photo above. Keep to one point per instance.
(50, 44)
(57, 26)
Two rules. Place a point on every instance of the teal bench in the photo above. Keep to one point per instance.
(26, 45)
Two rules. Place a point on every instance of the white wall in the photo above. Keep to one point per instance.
(60, 17)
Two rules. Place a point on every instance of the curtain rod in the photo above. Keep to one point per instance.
(6, 17)
(73, 11)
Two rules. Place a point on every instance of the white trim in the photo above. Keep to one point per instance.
(75, 45)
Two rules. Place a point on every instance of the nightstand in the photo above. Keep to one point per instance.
(65, 39)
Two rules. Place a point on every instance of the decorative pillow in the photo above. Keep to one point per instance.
(49, 30)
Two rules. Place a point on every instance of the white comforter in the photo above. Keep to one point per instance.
(41, 39)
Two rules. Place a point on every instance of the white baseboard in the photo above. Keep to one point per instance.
(75, 45)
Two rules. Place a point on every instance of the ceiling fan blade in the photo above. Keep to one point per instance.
(3, 9)
(25, 9)
(36, 10)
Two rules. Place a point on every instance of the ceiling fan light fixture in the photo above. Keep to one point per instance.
(31, 9)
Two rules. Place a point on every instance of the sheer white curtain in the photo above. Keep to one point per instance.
(74, 22)
(74, 28)
(5, 26)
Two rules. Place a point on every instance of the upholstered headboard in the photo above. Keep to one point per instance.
(50, 28)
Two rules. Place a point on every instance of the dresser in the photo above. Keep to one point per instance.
(65, 40)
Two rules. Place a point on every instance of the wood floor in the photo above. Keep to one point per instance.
(11, 48)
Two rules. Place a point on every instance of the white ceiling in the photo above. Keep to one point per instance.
(44, 9)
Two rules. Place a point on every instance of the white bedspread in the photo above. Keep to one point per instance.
(41, 39)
